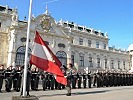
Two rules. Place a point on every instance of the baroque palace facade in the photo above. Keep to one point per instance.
(85, 48)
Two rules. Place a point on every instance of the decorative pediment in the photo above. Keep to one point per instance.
(45, 23)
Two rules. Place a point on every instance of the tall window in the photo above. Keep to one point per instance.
(62, 57)
(124, 65)
(129, 64)
(98, 62)
(89, 43)
(90, 62)
(97, 44)
(105, 63)
(72, 59)
(112, 64)
(104, 46)
(80, 41)
(81, 63)
(20, 55)
(118, 64)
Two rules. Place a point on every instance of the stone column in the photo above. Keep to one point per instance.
(11, 48)
(76, 60)
(69, 54)
(131, 60)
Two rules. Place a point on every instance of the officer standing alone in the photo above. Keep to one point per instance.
(69, 79)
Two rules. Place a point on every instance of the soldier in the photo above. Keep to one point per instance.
(79, 79)
(44, 79)
(48, 81)
(94, 79)
(2, 72)
(14, 78)
(106, 77)
(74, 79)
(84, 80)
(37, 78)
(17, 79)
(89, 78)
(8, 79)
(51, 81)
(56, 84)
(34, 79)
(69, 79)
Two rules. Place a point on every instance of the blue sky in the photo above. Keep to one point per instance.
(112, 16)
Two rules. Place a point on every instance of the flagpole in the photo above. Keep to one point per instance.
(26, 51)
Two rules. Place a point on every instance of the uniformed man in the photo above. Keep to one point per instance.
(79, 78)
(52, 81)
(37, 78)
(84, 80)
(94, 78)
(34, 79)
(89, 78)
(2, 74)
(8, 79)
(44, 80)
(19, 78)
(69, 79)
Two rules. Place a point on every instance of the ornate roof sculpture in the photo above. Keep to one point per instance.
(130, 48)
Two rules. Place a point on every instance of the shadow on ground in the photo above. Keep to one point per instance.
(76, 93)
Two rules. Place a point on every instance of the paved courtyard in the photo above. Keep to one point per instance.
(107, 93)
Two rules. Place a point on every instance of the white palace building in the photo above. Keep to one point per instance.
(84, 48)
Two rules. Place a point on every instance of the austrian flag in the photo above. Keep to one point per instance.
(44, 58)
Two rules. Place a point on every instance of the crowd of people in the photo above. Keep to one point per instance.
(13, 79)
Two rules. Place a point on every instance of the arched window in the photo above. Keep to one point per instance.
(105, 63)
(124, 65)
(118, 64)
(20, 55)
(90, 62)
(72, 59)
(81, 60)
(62, 57)
(98, 62)
(112, 64)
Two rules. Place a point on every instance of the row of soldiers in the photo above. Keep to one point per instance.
(96, 79)
(109, 79)
(13, 78)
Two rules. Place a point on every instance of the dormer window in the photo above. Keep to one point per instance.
(80, 28)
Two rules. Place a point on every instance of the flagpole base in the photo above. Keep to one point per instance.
(32, 97)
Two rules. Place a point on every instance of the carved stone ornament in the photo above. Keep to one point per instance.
(45, 23)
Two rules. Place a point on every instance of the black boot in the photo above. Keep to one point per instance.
(68, 94)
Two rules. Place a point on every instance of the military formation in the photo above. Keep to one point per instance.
(12, 77)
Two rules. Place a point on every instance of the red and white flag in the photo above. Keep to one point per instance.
(43, 58)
